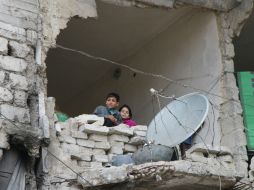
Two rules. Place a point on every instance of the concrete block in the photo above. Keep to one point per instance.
(3, 46)
(18, 81)
(117, 143)
(84, 164)
(100, 158)
(96, 164)
(137, 140)
(12, 32)
(20, 98)
(197, 157)
(1, 154)
(116, 150)
(98, 152)
(86, 143)
(12, 64)
(5, 95)
(140, 133)
(4, 140)
(98, 138)
(70, 148)
(93, 129)
(2, 77)
(85, 150)
(15, 113)
(140, 128)
(73, 124)
(68, 139)
(120, 138)
(79, 135)
(102, 145)
(226, 158)
(121, 130)
(19, 49)
(230, 53)
(81, 157)
(31, 36)
(252, 163)
(130, 148)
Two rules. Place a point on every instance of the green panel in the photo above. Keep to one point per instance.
(249, 122)
(245, 82)
(246, 88)
(247, 104)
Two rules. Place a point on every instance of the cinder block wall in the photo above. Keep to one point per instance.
(88, 147)
(18, 86)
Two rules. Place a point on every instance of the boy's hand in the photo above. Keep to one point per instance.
(112, 118)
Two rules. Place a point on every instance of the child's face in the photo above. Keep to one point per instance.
(125, 113)
(111, 102)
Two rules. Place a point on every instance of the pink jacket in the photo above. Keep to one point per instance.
(129, 122)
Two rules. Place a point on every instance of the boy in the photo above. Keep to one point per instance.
(110, 113)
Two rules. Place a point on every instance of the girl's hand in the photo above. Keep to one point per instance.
(112, 118)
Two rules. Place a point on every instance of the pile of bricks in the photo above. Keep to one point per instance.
(95, 146)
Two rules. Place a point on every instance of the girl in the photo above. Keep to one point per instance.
(125, 112)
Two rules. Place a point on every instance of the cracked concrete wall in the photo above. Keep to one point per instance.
(18, 79)
(233, 135)
(18, 36)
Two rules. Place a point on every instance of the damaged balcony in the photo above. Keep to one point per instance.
(93, 57)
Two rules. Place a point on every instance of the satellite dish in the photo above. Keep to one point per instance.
(178, 120)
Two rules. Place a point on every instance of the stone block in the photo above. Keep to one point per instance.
(93, 129)
(15, 113)
(12, 32)
(2, 77)
(31, 36)
(73, 125)
(81, 157)
(79, 135)
(20, 98)
(230, 53)
(120, 138)
(18, 81)
(252, 163)
(130, 148)
(121, 130)
(137, 140)
(140, 133)
(102, 145)
(70, 148)
(197, 157)
(3, 45)
(98, 138)
(140, 128)
(84, 164)
(98, 152)
(100, 158)
(19, 49)
(68, 139)
(96, 164)
(86, 143)
(4, 140)
(226, 158)
(12, 64)
(116, 150)
(1, 154)
(5, 95)
(117, 143)
(85, 150)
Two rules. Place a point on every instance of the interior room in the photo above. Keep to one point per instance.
(127, 46)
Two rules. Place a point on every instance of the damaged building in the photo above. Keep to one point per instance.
(71, 53)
